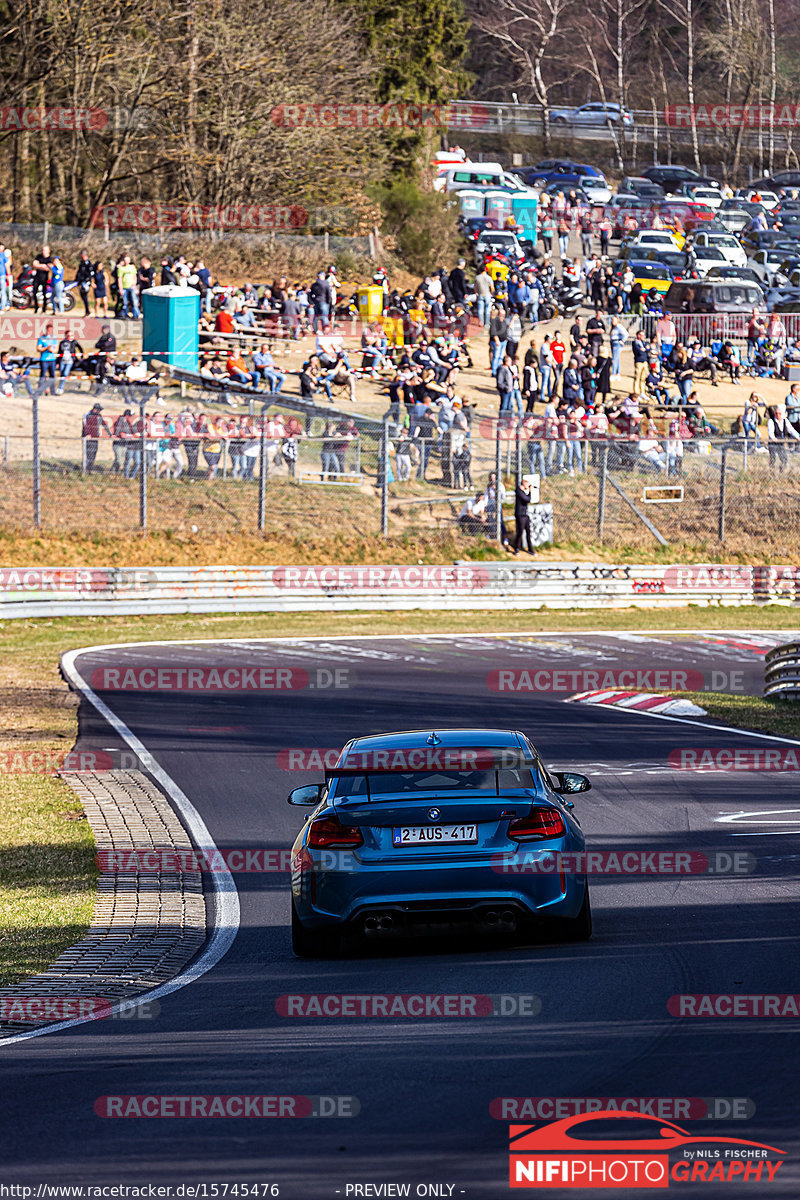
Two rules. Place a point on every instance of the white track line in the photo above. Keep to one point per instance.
(225, 896)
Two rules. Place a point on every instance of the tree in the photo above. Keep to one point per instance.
(529, 31)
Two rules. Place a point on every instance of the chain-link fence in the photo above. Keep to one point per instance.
(323, 471)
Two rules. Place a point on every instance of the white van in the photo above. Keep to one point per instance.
(470, 174)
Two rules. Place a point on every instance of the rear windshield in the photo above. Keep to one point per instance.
(374, 785)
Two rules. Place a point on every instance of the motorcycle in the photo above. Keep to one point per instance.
(568, 297)
(22, 292)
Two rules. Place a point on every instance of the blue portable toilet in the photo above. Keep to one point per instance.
(471, 202)
(524, 208)
(169, 325)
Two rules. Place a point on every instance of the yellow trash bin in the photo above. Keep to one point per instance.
(370, 302)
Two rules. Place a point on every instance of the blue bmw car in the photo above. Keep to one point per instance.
(436, 830)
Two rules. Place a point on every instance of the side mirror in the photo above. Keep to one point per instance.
(307, 795)
(570, 782)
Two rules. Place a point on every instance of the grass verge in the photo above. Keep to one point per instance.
(46, 856)
(46, 846)
(781, 718)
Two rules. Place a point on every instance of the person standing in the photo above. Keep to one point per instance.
(522, 521)
(595, 328)
(84, 277)
(93, 428)
(586, 234)
(57, 285)
(100, 281)
(484, 291)
(47, 345)
(546, 364)
(68, 351)
(127, 276)
(145, 279)
(617, 335)
(41, 265)
(563, 236)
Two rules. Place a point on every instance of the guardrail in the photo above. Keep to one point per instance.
(782, 671)
(41, 592)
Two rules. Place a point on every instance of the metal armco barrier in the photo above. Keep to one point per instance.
(782, 671)
(40, 592)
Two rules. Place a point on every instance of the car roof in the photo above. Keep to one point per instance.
(413, 739)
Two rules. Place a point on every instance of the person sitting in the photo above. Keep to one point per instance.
(730, 359)
(654, 384)
(238, 371)
(264, 366)
(702, 362)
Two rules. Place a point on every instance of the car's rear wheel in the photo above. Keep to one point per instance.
(579, 929)
(314, 943)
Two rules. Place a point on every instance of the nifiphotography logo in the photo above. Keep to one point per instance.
(615, 1149)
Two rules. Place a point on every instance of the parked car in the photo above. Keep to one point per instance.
(706, 257)
(494, 241)
(766, 199)
(652, 274)
(732, 250)
(541, 173)
(702, 193)
(727, 272)
(671, 178)
(713, 296)
(690, 213)
(565, 180)
(680, 262)
(768, 266)
(764, 239)
(733, 216)
(781, 179)
(787, 302)
(595, 113)
(647, 238)
(596, 189)
(638, 185)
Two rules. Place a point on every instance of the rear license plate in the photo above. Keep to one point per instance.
(433, 835)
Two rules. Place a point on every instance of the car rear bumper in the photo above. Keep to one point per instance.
(433, 895)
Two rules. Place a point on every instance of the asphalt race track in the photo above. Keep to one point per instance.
(425, 1085)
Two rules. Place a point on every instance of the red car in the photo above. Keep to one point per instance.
(690, 213)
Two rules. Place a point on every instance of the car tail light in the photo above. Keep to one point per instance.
(541, 823)
(328, 832)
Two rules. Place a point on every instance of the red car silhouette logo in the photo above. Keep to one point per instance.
(556, 1136)
(557, 1156)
